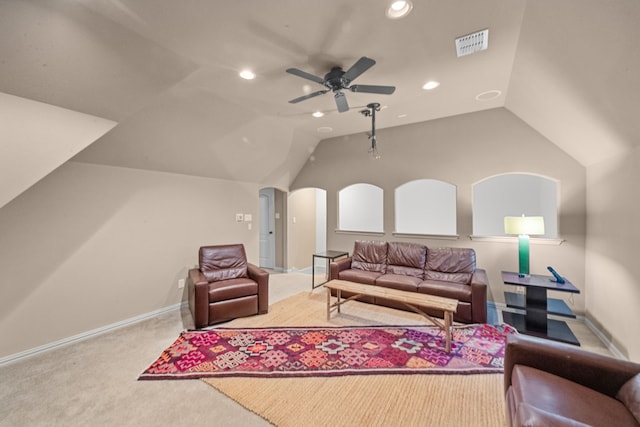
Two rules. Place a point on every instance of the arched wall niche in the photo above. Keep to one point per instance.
(514, 194)
(425, 206)
(361, 208)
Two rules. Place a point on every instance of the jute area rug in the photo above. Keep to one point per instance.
(371, 400)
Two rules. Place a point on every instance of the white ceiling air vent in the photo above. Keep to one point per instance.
(472, 43)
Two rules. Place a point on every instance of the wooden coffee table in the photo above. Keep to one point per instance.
(412, 300)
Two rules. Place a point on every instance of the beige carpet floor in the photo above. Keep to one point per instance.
(372, 400)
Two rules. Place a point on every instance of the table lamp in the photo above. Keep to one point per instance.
(524, 226)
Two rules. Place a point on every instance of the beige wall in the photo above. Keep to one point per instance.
(90, 246)
(301, 226)
(461, 150)
(613, 286)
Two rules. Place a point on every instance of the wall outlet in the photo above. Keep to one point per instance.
(180, 283)
(520, 289)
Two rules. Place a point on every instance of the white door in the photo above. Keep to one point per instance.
(267, 228)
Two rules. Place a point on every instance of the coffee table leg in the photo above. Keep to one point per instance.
(328, 303)
(447, 329)
(338, 295)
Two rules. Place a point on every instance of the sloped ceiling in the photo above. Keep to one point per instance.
(36, 138)
(575, 75)
(167, 72)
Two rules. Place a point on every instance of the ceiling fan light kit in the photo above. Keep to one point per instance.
(337, 80)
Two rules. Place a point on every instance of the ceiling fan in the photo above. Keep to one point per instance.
(338, 80)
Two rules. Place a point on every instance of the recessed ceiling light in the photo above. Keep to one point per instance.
(325, 129)
(399, 9)
(247, 74)
(488, 95)
(430, 85)
(317, 114)
(402, 116)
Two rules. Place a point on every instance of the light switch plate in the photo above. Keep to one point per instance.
(248, 217)
(239, 217)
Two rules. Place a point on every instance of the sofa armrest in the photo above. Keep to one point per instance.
(479, 284)
(196, 277)
(197, 287)
(262, 278)
(601, 373)
(336, 267)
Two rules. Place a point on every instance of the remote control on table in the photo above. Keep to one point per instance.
(558, 277)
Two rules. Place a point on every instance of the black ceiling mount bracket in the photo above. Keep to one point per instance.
(371, 112)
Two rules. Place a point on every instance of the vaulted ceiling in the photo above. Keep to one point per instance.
(166, 72)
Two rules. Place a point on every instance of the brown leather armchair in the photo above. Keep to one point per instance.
(226, 286)
(553, 384)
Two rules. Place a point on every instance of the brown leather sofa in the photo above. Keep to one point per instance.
(445, 272)
(226, 286)
(553, 384)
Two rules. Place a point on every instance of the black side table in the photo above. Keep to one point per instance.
(328, 256)
(537, 306)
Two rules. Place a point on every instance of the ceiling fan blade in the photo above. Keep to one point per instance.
(305, 75)
(309, 95)
(384, 90)
(341, 102)
(361, 65)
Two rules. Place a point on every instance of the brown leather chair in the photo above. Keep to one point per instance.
(553, 384)
(226, 286)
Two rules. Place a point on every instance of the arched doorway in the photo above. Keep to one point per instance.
(307, 226)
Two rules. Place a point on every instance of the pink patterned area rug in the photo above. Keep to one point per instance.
(330, 351)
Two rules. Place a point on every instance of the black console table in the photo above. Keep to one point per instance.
(537, 306)
(328, 256)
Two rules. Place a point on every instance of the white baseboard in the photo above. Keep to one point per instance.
(617, 353)
(604, 339)
(88, 334)
(32, 352)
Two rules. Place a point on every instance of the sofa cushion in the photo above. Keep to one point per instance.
(222, 290)
(406, 259)
(446, 289)
(550, 393)
(450, 264)
(629, 395)
(359, 276)
(223, 262)
(369, 256)
(399, 281)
